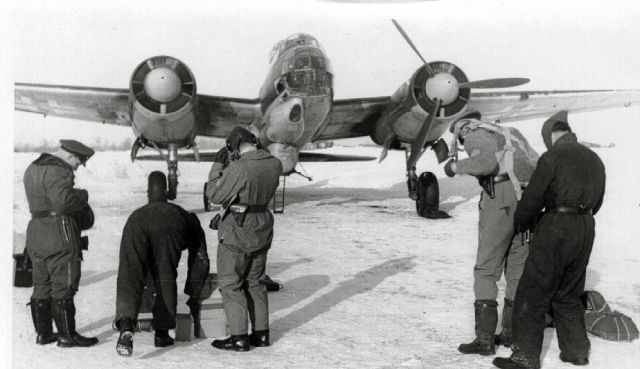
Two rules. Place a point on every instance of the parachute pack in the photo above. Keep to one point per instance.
(516, 148)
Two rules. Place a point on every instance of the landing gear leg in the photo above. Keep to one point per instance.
(412, 183)
(172, 166)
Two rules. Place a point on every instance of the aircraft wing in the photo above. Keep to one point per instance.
(353, 118)
(513, 106)
(104, 105)
(224, 113)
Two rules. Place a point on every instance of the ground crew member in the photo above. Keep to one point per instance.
(58, 213)
(152, 242)
(244, 180)
(499, 249)
(569, 184)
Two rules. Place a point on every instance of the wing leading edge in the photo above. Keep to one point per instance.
(103, 105)
(514, 106)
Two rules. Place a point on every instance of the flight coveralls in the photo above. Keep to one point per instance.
(569, 183)
(499, 249)
(245, 239)
(152, 243)
(53, 234)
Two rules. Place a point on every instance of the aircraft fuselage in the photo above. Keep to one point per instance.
(295, 98)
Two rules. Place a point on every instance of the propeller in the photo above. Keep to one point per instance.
(442, 89)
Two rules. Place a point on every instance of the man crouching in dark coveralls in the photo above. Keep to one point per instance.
(569, 184)
(152, 242)
(58, 213)
(244, 179)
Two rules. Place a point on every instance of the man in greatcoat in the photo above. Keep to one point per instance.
(244, 179)
(569, 184)
(59, 212)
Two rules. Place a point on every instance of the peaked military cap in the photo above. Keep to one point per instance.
(78, 149)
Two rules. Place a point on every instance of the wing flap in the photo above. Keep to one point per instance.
(513, 106)
(87, 103)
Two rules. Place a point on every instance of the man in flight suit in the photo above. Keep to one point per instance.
(244, 179)
(569, 184)
(499, 248)
(58, 213)
(152, 242)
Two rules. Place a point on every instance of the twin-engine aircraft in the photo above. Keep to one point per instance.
(296, 106)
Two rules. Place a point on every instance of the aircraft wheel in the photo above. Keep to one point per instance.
(207, 206)
(428, 197)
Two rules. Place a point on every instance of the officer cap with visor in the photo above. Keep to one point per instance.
(78, 149)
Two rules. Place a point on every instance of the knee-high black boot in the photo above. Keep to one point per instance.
(486, 312)
(42, 321)
(64, 314)
(504, 338)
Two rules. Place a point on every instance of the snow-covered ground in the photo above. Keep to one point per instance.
(368, 284)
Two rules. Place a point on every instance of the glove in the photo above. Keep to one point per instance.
(448, 168)
(82, 194)
(222, 157)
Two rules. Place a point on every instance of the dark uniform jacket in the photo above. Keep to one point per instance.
(48, 183)
(252, 180)
(568, 174)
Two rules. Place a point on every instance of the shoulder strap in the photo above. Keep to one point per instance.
(505, 157)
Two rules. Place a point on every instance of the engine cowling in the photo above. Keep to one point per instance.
(163, 99)
(409, 105)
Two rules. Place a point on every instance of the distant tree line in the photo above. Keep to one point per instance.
(100, 144)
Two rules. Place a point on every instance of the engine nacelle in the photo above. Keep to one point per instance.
(407, 111)
(163, 100)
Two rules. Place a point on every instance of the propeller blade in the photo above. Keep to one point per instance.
(421, 138)
(494, 83)
(406, 37)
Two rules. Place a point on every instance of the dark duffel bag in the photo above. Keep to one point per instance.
(22, 269)
(612, 325)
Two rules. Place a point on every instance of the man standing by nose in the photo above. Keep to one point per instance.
(58, 213)
(244, 179)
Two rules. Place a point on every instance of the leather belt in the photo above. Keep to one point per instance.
(43, 214)
(257, 208)
(571, 210)
(237, 208)
(501, 178)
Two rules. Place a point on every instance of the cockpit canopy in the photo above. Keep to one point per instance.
(296, 39)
